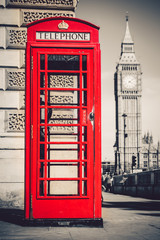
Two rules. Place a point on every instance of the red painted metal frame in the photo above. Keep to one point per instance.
(76, 25)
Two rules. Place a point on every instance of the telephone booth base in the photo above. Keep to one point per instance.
(97, 223)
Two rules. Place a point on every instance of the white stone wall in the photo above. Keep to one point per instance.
(14, 16)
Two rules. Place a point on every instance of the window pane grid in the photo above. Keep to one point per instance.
(46, 145)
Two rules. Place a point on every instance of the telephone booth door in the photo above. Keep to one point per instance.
(62, 133)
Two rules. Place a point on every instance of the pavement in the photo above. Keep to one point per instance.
(124, 218)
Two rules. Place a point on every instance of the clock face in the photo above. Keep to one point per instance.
(129, 81)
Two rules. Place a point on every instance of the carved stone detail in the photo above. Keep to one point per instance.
(61, 81)
(17, 37)
(15, 79)
(43, 3)
(15, 121)
(61, 99)
(61, 118)
(29, 16)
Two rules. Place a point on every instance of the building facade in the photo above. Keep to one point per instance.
(14, 16)
(108, 167)
(150, 153)
(128, 93)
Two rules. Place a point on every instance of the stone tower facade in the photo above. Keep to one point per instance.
(14, 16)
(150, 153)
(128, 93)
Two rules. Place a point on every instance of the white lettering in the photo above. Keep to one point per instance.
(74, 36)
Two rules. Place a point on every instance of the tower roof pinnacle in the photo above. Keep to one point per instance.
(127, 47)
(127, 37)
(127, 17)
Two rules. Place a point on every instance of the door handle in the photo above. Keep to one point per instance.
(91, 116)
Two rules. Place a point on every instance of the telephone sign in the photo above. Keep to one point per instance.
(63, 36)
(63, 144)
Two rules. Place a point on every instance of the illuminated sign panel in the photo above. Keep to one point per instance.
(75, 36)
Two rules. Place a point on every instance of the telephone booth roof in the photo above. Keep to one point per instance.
(71, 25)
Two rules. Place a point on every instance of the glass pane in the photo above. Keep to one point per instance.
(84, 170)
(42, 80)
(84, 63)
(63, 81)
(84, 80)
(84, 98)
(41, 169)
(66, 151)
(84, 151)
(63, 116)
(84, 134)
(62, 170)
(62, 188)
(63, 62)
(84, 188)
(63, 98)
(42, 134)
(42, 97)
(41, 188)
(63, 151)
(68, 134)
(42, 61)
(42, 151)
(42, 115)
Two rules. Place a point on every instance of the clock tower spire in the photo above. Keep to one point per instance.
(128, 106)
(127, 37)
(127, 47)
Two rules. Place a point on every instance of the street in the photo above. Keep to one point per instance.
(125, 218)
(131, 218)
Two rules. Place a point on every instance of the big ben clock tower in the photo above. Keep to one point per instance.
(128, 90)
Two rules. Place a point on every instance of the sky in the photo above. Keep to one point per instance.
(144, 23)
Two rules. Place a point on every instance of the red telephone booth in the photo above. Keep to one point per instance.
(63, 120)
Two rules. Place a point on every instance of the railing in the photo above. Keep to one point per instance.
(144, 184)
